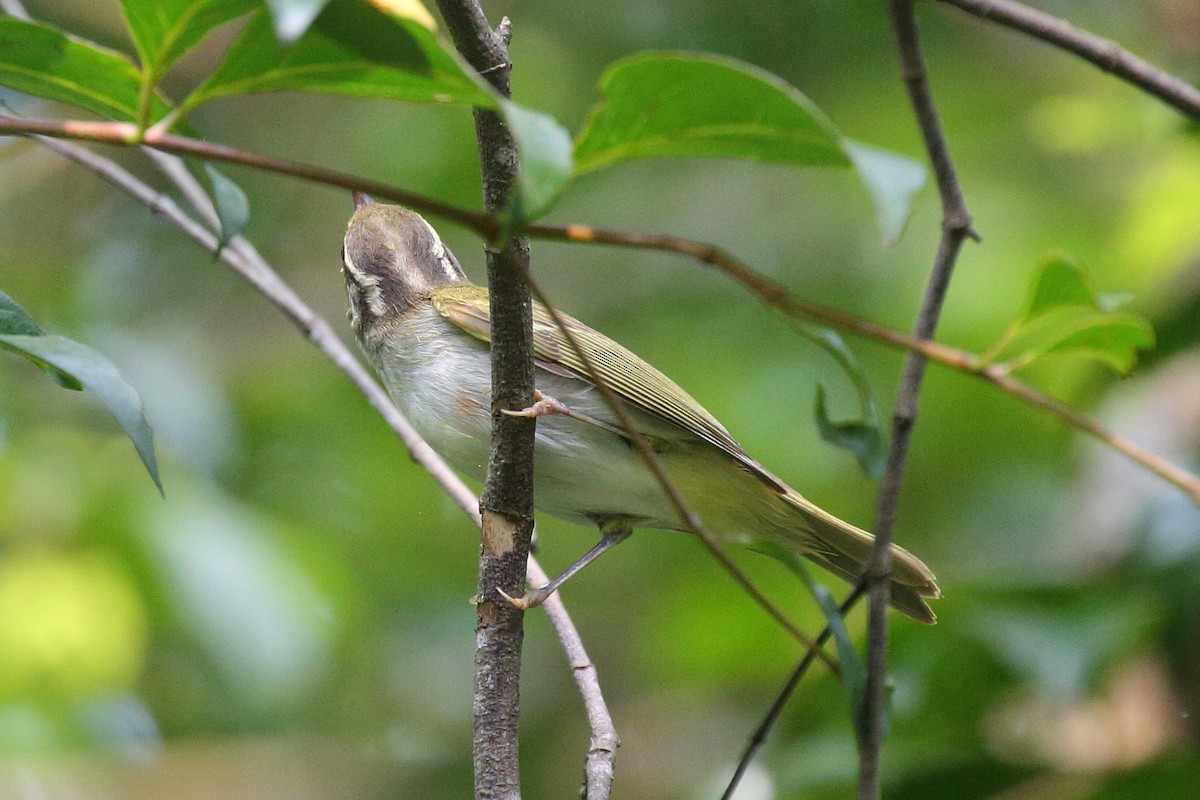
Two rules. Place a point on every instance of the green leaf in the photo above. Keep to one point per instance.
(357, 49)
(1062, 315)
(545, 149)
(97, 374)
(854, 671)
(16, 320)
(699, 105)
(353, 48)
(233, 209)
(292, 17)
(675, 104)
(893, 181)
(39, 60)
(164, 30)
(1058, 282)
(862, 437)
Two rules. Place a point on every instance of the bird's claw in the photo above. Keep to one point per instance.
(543, 404)
(531, 599)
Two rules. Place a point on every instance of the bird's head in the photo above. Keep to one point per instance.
(392, 259)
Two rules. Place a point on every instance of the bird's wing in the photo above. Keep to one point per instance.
(634, 381)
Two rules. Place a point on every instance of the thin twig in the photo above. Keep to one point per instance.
(956, 228)
(769, 292)
(598, 765)
(759, 737)
(126, 134)
(776, 295)
(686, 515)
(1105, 54)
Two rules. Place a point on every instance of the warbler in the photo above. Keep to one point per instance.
(425, 329)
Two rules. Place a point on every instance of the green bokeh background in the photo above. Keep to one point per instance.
(292, 621)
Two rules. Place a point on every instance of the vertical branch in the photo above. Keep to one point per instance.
(956, 227)
(507, 500)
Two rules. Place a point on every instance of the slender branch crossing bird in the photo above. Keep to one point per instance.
(426, 330)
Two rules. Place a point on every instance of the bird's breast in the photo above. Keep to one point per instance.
(440, 378)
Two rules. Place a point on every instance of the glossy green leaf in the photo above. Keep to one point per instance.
(1063, 315)
(862, 437)
(231, 204)
(16, 320)
(97, 374)
(675, 104)
(292, 17)
(678, 104)
(355, 48)
(164, 30)
(352, 48)
(39, 60)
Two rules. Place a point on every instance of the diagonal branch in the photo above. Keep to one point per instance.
(1105, 54)
(602, 750)
(956, 228)
(769, 292)
(126, 134)
(778, 296)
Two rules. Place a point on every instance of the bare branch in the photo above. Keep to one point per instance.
(1105, 54)
(769, 292)
(126, 134)
(776, 295)
(956, 227)
(602, 750)
(507, 500)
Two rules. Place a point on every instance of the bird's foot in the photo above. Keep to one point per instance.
(531, 599)
(543, 404)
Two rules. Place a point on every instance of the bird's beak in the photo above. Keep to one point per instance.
(361, 199)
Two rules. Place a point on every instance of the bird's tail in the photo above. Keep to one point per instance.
(844, 549)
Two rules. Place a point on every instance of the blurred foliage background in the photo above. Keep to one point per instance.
(293, 619)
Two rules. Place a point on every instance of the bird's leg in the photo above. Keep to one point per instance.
(611, 534)
(543, 404)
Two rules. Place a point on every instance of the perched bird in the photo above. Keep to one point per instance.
(425, 328)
